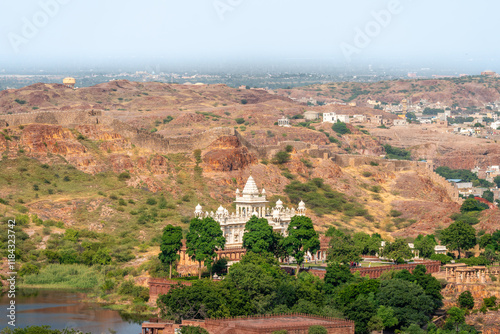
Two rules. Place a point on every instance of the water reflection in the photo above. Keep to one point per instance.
(63, 309)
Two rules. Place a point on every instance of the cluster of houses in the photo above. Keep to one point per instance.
(467, 188)
(332, 117)
(485, 118)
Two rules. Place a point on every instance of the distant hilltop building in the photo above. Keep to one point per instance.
(251, 202)
(489, 73)
(69, 82)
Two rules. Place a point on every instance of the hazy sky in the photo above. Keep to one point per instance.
(458, 32)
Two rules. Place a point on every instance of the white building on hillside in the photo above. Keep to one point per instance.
(343, 118)
(283, 121)
(251, 202)
(329, 117)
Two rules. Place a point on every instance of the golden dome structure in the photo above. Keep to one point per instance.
(69, 82)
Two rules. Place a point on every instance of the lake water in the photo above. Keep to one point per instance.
(62, 309)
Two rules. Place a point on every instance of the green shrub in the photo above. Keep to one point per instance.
(239, 120)
(396, 153)
(123, 176)
(66, 276)
(341, 128)
(317, 330)
(465, 300)
(395, 213)
(281, 157)
(151, 201)
(28, 269)
(193, 330)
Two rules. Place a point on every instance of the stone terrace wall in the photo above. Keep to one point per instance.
(64, 118)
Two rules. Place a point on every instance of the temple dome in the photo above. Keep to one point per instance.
(302, 205)
(251, 187)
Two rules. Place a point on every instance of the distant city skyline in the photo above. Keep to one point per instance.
(446, 35)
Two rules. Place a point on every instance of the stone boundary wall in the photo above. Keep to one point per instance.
(375, 272)
(165, 145)
(235, 325)
(160, 286)
(64, 118)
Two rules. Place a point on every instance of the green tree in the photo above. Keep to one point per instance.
(302, 238)
(171, 243)
(317, 330)
(258, 236)
(102, 257)
(425, 245)
(387, 316)
(336, 275)
(497, 180)
(471, 204)
(361, 312)
(398, 251)
(459, 236)
(465, 300)
(489, 196)
(456, 317)
(281, 157)
(202, 240)
(342, 248)
(407, 299)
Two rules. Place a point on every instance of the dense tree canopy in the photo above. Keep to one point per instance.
(407, 299)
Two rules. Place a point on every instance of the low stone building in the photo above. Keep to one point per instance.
(311, 115)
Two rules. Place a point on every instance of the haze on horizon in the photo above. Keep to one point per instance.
(448, 34)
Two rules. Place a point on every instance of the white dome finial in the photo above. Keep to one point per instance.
(198, 211)
(279, 204)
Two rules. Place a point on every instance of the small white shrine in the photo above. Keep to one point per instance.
(251, 202)
(283, 121)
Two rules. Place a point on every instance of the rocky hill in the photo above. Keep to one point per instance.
(467, 91)
(131, 164)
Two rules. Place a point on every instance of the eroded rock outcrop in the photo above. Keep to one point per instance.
(227, 154)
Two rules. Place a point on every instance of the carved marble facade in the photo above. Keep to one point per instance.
(251, 202)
